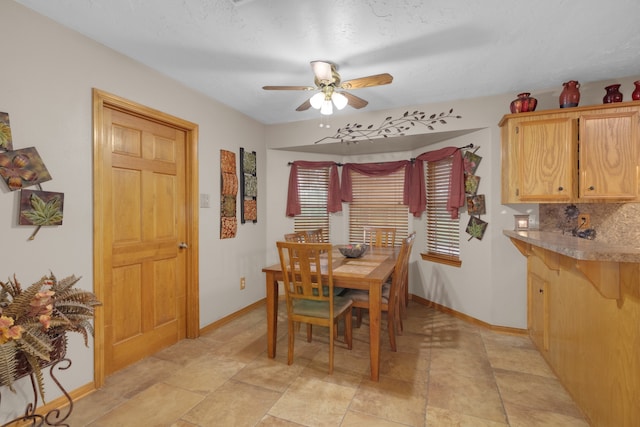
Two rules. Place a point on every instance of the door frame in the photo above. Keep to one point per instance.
(101, 100)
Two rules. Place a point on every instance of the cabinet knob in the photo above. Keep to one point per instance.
(541, 291)
(591, 188)
(560, 188)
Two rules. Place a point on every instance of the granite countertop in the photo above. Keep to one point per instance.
(575, 247)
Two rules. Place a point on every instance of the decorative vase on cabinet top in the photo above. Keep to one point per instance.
(570, 95)
(635, 95)
(524, 103)
(613, 94)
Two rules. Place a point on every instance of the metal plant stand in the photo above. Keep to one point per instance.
(55, 417)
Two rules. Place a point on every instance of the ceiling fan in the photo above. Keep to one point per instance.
(327, 81)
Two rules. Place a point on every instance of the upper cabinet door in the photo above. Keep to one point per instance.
(609, 155)
(547, 162)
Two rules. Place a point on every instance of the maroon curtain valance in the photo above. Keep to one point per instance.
(371, 169)
(333, 197)
(414, 195)
(418, 200)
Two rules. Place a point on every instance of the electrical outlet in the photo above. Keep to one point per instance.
(584, 221)
(243, 283)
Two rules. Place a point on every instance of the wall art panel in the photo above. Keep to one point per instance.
(248, 186)
(228, 194)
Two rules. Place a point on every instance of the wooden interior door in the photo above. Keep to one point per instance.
(144, 237)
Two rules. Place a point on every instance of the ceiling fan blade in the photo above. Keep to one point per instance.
(354, 101)
(375, 80)
(304, 106)
(322, 70)
(288, 88)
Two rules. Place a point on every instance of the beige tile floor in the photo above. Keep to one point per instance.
(446, 372)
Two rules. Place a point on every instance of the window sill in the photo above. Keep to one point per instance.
(442, 259)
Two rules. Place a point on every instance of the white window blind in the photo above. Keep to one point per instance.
(377, 201)
(313, 190)
(443, 233)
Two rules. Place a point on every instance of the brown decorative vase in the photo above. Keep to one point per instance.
(570, 95)
(613, 94)
(635, 95)
(524, 103)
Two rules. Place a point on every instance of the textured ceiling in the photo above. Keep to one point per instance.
(435, 50)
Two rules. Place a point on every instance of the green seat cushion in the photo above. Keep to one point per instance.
(320, 308)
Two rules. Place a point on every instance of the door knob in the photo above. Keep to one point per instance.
(183, 245)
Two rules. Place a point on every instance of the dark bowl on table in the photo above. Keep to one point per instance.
(354, 250)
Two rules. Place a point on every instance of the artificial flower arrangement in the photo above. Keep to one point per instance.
(34, 321)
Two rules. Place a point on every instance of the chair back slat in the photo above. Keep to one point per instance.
(315, 236)
(380, 237)
(300, 237)
(308, 236)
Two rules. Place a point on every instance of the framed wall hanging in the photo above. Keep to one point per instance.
(6, 142)
(23, 168)
(228, 194)
(40, 208)
(248, 187)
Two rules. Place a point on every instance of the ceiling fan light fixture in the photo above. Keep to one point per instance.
(317, 100)
(327, 108)
(327, 81)
(339, 100)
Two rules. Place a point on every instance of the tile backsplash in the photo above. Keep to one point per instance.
(615, 223)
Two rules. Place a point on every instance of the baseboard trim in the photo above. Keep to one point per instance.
(467, 318)
(232, 316)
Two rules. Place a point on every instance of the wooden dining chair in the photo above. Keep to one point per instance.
(310, 297)
(380, 237)
(298, 236)
(390, 294)
(403, 292)
(315, 236)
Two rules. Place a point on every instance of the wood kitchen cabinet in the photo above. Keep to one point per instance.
(538, 311)
(609, 155)
(583, 154)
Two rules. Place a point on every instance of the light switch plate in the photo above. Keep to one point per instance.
(205, 201)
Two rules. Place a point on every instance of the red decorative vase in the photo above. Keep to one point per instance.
(570, 95)
(613, 94)
(523, 103)
(635, 95)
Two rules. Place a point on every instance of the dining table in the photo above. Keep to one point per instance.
(368, 272)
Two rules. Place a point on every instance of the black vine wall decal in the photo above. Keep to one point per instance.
(353, 133)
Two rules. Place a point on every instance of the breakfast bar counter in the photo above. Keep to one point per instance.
(574, 247)
(583, 312)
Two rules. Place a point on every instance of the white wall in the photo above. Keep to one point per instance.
(46, 79)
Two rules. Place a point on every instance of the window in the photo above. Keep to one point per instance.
(313, 189)
(443, 233)
(377, 201)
